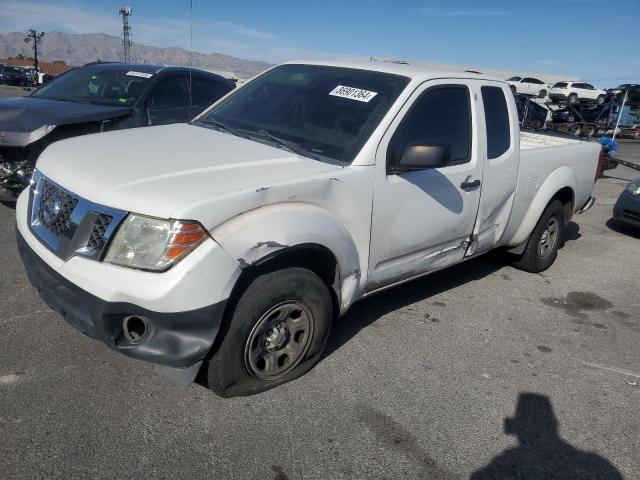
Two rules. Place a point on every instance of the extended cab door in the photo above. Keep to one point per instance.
(423, 219)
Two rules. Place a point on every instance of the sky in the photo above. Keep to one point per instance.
(593, 39)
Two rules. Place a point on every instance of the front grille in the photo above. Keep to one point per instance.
(69, 224)
(97, 236)
(631, 215)
(56, 207)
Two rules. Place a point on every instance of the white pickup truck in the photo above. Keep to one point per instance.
(228, 246)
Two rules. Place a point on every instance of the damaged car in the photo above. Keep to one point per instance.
(96, 98)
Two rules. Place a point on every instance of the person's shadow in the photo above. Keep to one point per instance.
(541, 453)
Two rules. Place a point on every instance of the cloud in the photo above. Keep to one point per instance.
(433, 11)
(208, 35)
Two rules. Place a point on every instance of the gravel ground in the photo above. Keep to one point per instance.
(478, 371)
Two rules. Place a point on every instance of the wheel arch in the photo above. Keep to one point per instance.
(559, 185)
(296, 234)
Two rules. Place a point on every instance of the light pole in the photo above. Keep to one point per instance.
(126, 12)
(35, 36)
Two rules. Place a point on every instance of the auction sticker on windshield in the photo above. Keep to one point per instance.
(140, 74)
(353, 93)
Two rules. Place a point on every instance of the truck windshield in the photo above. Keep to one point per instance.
(96, 84)
(321, 112)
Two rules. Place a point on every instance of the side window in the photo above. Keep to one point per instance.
(527, 80)
(497, 121)
(169, 92)
(588, 86)
(440, 116)
(205, 91)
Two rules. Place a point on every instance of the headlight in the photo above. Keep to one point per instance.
(634, 189)
(152, 243)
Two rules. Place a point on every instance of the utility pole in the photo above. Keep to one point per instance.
(126, 31)
(34, 36)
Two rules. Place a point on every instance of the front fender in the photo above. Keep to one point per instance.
(558, 179)
(254, 235)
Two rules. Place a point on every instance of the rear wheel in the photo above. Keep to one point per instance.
(542, 246)
(572, 98)
(588, 131)
(277, 333)
(575, 130)
(543, 93)
(600, 99)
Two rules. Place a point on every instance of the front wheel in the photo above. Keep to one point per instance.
(542, 94)
(572, 98)
(542, 246)
(600, 99)
(277, 332)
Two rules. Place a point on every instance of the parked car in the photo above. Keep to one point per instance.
(255, 225)
(528, 86)
(97, 98)
(13, 76)
(627, 208)
(576, 113)
(632, 91)
(575, 92)
(531, 115)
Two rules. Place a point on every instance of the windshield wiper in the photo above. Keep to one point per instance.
(286, 144)
(222, 127)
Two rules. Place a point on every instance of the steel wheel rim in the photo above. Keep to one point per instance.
(279, 340)
(549, 238)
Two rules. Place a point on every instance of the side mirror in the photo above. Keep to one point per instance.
(419, 156)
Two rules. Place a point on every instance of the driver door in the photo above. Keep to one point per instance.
(423, 220)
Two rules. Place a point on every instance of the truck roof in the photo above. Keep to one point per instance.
(412, 69)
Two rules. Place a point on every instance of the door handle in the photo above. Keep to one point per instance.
(469, 184)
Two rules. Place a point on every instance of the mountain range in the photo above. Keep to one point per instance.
(78, 49)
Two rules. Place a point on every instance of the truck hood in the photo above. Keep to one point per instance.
(28, 114)
(171, 171)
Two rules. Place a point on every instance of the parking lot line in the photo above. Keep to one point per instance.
(612, 369)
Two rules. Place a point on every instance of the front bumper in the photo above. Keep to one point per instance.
(627, 209)
(179, 340)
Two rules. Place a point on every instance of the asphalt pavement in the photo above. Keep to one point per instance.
(477, 372)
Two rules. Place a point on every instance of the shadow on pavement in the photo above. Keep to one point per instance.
(623, 228)
(541, 453)
(367, 311)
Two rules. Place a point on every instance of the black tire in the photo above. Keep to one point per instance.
(588, 131)
(572, 98)
(513, 88)
(542, 94)
(533, 260)
(233, 370)
(575, 130)
(600, 99)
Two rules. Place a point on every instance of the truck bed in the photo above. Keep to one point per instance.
(530, 140)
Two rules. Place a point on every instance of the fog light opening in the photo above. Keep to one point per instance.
(135, 328)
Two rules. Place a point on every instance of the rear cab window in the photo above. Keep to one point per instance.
(496, 114)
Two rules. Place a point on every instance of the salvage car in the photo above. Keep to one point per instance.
(528, 86)
(631, 90)
(575, 92)
(627, 208)
(227, 246)
(10, 75)
(96, 98)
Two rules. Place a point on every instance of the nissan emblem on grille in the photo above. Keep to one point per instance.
(56, 207)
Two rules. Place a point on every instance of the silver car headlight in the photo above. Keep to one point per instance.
(156, 244)
(634, 188)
